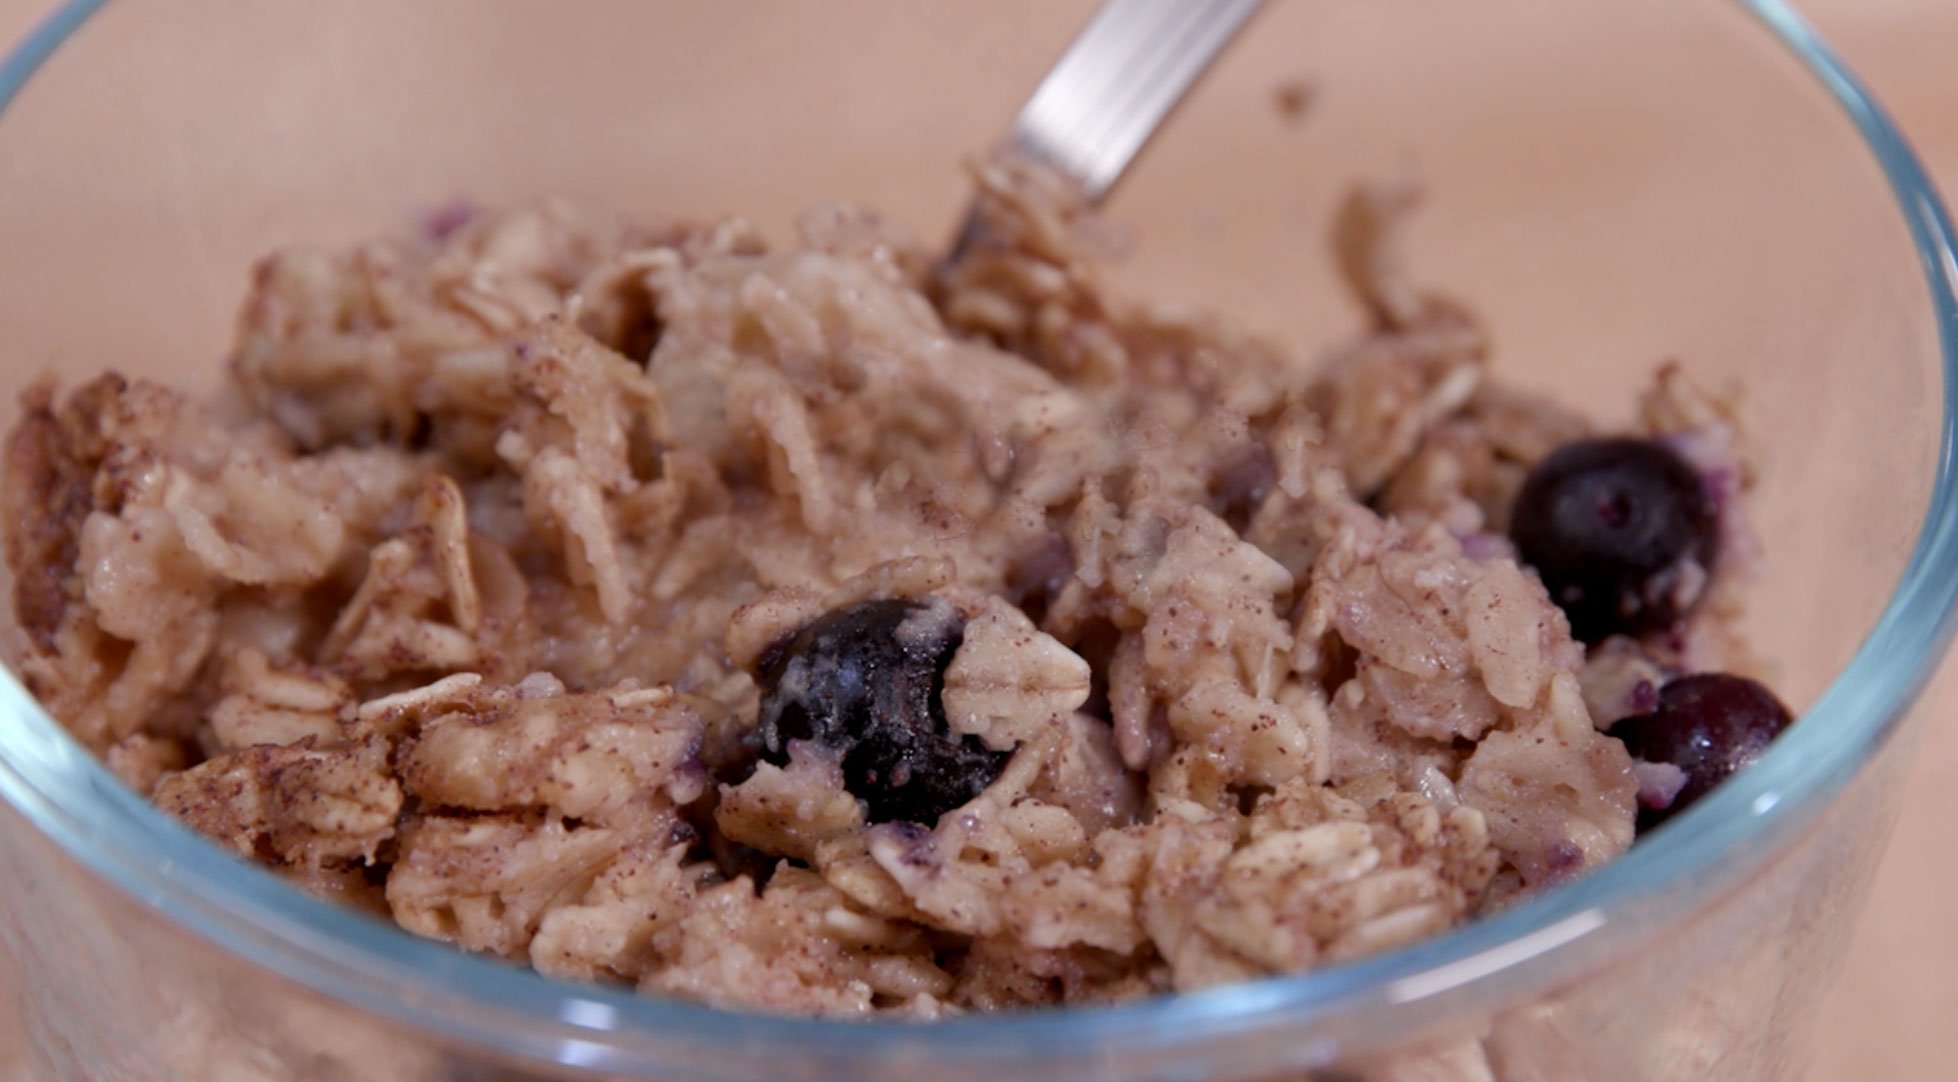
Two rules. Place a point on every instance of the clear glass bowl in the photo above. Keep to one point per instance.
(1612, 184)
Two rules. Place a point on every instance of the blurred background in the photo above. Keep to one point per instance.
(1891, 1016)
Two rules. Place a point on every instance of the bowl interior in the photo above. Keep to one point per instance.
(1603, 212)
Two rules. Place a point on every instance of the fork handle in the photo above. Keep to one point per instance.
(1121, 76)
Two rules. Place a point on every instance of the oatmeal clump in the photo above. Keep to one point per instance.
(820, 629)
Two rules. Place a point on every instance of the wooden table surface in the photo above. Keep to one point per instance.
(1894, 1014)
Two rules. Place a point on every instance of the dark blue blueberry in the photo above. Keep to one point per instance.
(1710, 726)
(865, 680)
(1621, 531)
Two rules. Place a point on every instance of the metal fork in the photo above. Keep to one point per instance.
(1124, 73)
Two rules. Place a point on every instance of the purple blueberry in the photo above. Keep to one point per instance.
(865, 681)
(1622, 532)
(1709, 726)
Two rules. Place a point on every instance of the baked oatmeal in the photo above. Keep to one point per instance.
(822, 629)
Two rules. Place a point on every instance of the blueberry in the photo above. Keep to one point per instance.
(1622, 532)
(1709, 725)
(865, 680)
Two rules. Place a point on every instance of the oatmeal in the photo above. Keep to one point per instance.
(820, 629)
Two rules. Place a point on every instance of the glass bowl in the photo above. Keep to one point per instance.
(1611, 184)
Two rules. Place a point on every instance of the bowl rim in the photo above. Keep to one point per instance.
(485, 1005)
